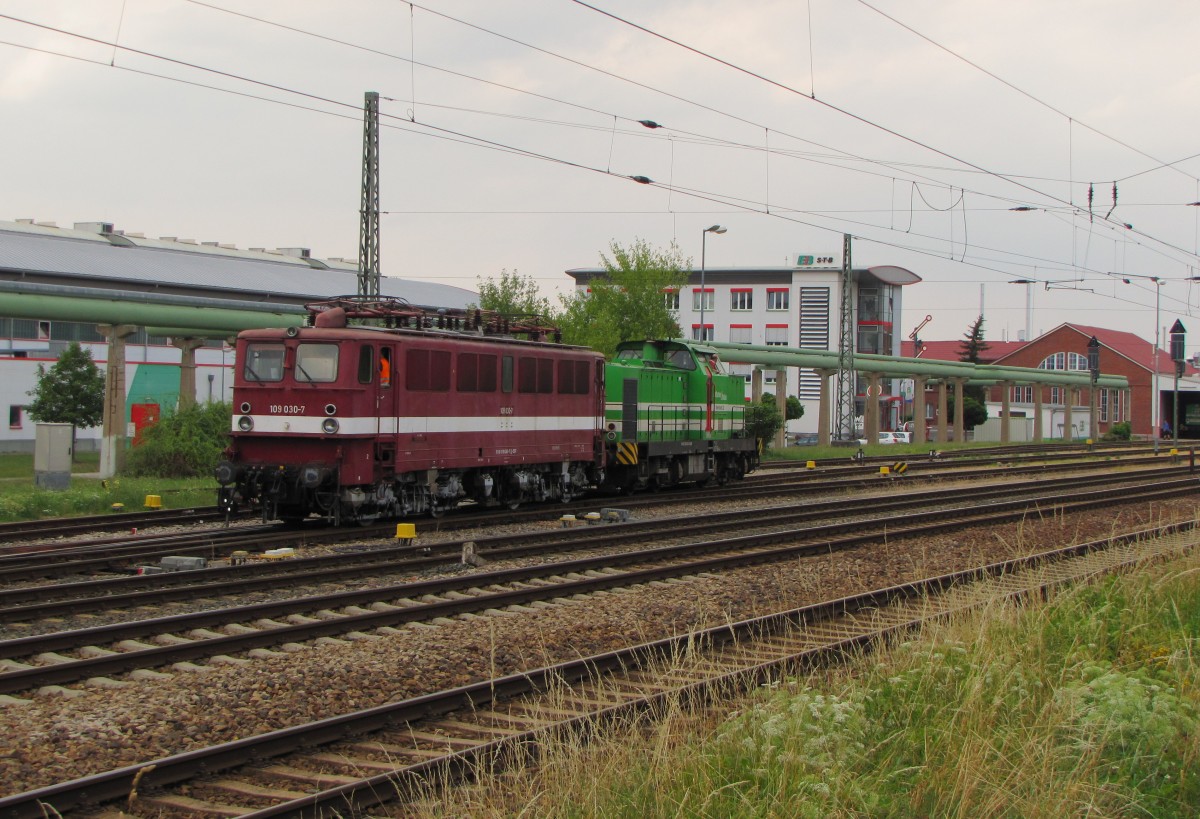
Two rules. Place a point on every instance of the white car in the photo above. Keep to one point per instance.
(895, 437)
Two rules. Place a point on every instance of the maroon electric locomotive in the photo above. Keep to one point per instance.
(411, 413)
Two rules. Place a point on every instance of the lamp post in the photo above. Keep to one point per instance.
(1178, 336)
(1093, 348)
(703, 293)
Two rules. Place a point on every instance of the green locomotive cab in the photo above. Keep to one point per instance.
(674, 414)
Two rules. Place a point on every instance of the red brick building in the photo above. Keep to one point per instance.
(1065, 348)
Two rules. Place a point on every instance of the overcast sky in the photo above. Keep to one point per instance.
(510, 143)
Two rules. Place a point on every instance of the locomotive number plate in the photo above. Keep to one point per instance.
(286, 409)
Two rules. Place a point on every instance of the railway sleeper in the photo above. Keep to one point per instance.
(249, 789)
(189, 804)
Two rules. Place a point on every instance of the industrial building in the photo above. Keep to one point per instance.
(179, 303)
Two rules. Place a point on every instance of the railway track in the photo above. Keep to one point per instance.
(15, 531)
(177, 641)
(121, 554)
(29, 603)
(346, 764)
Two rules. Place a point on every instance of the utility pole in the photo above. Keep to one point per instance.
(843, 418)
(368, 230)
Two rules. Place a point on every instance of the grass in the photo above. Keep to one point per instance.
(21, 500)
(1086, 705)
(19, 465)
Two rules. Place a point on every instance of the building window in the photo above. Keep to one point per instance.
(1075, 361)
(1104, 405)
(1022, 395)
(776, 335)
(15, 412)
(707, 335)
(778, 299)
(709, 299)
(671, 297)
(1056, 395)
(741, 299)
(740, 333)
(1056, 361)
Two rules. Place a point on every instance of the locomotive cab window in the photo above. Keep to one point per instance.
(316, 363)
(366, 364)
(264, 362)
(681, 357)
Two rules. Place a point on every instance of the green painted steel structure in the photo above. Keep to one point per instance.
(907, 367)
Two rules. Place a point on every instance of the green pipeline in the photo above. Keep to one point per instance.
(107, 310)
(909, 367)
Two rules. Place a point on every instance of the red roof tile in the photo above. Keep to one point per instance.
(1129, 345)
(952, 350)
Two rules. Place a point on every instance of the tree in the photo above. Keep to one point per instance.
(763, 420)
(70, 392)
(794, 408)
(513, 295)
(974, 411)
(628, 302)
(971, 349)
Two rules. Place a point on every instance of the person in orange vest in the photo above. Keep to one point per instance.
(385, 368)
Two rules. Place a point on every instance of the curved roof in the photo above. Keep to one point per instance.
(892, 274)
(82, 258)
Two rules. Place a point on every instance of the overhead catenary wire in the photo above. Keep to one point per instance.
(792, 90)
(890, 164)
(467, 139)
(444, 133)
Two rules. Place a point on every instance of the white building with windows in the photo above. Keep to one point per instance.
(792, 306)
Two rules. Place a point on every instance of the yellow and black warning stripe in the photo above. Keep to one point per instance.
(627, 453)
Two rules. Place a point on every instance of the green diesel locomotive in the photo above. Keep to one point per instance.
(673, 414)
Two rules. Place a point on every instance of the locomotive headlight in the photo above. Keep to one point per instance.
(330, 425)
(245, 407)
(245, 423)
(331, 409)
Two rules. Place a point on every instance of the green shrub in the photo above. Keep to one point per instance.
(1120, 431)
(185, 443)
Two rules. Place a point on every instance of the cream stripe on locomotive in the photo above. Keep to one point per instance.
(692, 414)
(311, 425)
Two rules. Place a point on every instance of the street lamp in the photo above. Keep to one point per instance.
(1178, 335)
(1093, 348)
(703, 293)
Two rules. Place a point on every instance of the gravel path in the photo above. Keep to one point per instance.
(59, 737)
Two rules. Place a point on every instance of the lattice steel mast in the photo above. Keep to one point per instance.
(843, 416)
(368, 232)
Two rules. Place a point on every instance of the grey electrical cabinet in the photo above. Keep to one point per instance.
(52, 456)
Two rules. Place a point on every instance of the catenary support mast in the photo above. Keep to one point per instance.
(368, 233)
(843, 419)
